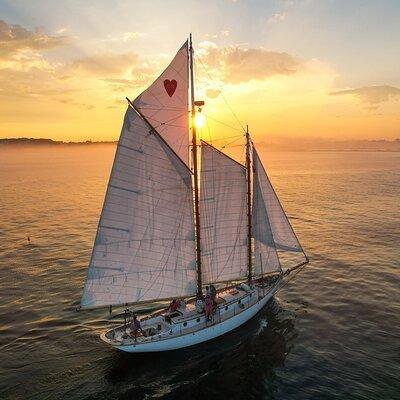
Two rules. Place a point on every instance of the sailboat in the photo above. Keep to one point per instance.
(172, 225)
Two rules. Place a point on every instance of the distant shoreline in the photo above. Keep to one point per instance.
(47, 142)
(275, 145)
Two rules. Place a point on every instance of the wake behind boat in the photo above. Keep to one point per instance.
(172, 224)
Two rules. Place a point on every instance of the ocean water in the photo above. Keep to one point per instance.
(332, 333)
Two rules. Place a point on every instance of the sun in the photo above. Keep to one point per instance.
(199, 120)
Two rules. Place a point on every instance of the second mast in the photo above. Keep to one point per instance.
(249, 211)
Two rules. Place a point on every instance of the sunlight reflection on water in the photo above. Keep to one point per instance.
(331, 333)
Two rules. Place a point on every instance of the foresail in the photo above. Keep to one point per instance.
(223, 217)
(165, 104)
(144, 248)
(278, 233)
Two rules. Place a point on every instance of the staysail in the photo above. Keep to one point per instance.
(223, 217)
(165, 104)
(144, 248)
(273, 234)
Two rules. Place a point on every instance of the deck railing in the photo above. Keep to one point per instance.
(252, 298)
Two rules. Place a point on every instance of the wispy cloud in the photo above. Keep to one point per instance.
(61, 30)
(104, 64)
(221, 34)
(237, 64)
(75, 103)
(128, 36)
(32, 83)
(278, 17)
(124, 37)
(372, 96)
(282, 15)
(15, 38)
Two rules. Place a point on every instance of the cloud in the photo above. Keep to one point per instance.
(75, 103)
(278, 17)
(373, 96)
(281, 16)
(15, 38)
(124, 37)
(210, 36)
(237, 64)
(61, 30)
(128, 36)
(221, 34)
(139, 75)
(24, 71)
(105, 64)
(34, 83)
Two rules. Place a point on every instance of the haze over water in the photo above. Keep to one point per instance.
(332, 333)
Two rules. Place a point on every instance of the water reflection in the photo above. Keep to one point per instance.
(345, 306)
(237, 365)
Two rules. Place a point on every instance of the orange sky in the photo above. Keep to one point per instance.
(64, 73)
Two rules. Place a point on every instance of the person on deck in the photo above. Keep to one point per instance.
(173, 306)
(199, 305)
(208, 307)
(182, 305)
(135, 327)
(213, 293)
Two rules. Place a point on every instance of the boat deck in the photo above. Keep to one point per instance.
(166, 325)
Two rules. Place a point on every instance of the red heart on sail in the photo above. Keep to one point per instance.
(170, 86)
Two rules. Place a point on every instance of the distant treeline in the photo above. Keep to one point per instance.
(273, 144)
(319, 144)
(46, 142)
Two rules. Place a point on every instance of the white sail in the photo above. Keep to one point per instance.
(144, 248)
(223, 217)
(282, 232)
(165, 104)
(265, 255)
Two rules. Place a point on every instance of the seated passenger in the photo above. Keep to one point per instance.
(199, 306)
(182, 305)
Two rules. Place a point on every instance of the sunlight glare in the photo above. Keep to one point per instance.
(199, 120)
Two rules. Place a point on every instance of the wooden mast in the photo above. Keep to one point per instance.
(249, 216)
(195, 173)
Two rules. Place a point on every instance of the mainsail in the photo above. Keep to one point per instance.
(144, 247)
(223, 217)
(273, 234)
(165, 104)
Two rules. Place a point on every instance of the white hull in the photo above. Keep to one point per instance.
(251, 303)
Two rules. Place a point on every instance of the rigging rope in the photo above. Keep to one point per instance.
(224, 98)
